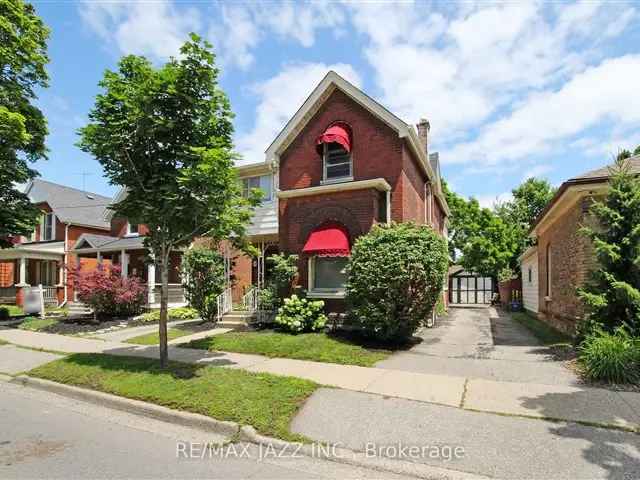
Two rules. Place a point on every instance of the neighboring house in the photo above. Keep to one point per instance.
(67, 215)
(342, 164)
(562, 258)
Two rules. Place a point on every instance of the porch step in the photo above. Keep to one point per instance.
(236, 319)
(78, 309)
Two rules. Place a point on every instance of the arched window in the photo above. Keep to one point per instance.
(335, 147)
(328, 250)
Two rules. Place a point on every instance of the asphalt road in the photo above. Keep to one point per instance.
(44, 435)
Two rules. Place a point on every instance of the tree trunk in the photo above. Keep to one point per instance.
(164, 300)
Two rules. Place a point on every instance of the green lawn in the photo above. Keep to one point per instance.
(318, 347)
(154, 337)
(268, 402)
(36, 324)
(542, 331)
(13, 310)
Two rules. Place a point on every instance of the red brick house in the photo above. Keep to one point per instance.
(67, 215)
(560, 262)
(342, 164)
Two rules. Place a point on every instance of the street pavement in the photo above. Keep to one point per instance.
(43, 435)
(494, 445)
(480, 343)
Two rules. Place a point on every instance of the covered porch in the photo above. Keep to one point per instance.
(134, 260)
(33, 265)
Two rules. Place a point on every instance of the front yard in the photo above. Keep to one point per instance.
(154, 337)
(268, 402)
(319, 347)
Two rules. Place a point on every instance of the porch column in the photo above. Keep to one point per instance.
(23, 271)
(99, 257)
(124, 264)
(151, 282)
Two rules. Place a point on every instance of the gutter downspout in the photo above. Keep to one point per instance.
(388, 207)
(66, 263)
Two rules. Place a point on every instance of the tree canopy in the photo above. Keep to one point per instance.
(612, 295)
(23, 56)
(487, 241)
(165, 134)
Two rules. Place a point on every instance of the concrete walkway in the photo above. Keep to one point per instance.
(480, 343)
(592, 405)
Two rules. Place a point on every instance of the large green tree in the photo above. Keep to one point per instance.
(612, 295)
(479, 239)
(23, 56)
(165, 134)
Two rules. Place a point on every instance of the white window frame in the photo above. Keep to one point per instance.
(321, 292)
(43, 227)
(246, 187)
(549, 267)
(131, 233)
(346, 178)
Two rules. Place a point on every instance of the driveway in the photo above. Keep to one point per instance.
(480, 343)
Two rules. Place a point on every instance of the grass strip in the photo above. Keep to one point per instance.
(267, 402)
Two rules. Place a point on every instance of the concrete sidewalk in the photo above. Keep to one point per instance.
(573, 403)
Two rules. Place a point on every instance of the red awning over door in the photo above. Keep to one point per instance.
(336, 133)
(329, 240)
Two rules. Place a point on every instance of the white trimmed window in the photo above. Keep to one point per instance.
(263, 182)
(336, 163)
(48, 227)
(132, 229)
(327, 276)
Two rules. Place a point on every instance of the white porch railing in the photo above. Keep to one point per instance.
(224, 303)
(251, 299)
(50, 295)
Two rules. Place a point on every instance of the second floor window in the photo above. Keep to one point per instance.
(263, 182)
(47, 227)
(132, 229)
(336, 162)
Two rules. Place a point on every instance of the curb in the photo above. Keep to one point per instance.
(245, 433)
(151, 410)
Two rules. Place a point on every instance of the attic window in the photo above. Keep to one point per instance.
(132, 229)
(47, 229)
(335, 146)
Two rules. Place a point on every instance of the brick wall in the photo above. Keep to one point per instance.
(571, 260)
(7, 269)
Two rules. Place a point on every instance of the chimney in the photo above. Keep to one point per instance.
(423, 133)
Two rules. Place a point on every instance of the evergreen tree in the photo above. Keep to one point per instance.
(612, 295)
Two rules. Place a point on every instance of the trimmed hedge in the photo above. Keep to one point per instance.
(395, 277)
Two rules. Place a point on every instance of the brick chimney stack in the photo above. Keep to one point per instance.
(423, 133)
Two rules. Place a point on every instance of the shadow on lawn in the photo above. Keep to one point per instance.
(354, 338)
(616, 452)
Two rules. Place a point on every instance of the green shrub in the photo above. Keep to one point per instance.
(284, 269)
(611, 357)
(183, 313)
(203, 280)
(269, 299)
(301, 315)
(150, 316)
(4, 313)
(395, 276)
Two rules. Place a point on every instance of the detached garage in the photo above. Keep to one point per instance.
(468, 288)
(529, 267)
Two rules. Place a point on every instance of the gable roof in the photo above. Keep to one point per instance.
(70, 205)
(603, 173)
(316, 99)
(592, 177)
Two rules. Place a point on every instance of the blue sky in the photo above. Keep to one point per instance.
(510, 89)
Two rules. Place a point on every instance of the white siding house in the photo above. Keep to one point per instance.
(529, 265)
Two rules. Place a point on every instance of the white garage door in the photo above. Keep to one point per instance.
(530, 283)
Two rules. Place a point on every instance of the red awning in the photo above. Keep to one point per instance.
(337, 133)
(329, 240)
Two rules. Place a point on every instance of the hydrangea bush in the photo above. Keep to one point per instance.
(301, 315)
(395, 277)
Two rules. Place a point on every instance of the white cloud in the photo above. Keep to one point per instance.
(490, 201)
(157, 29)
(605, 92)
(464, 67)
(244, 26)
(536, 171)
(278, 99)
